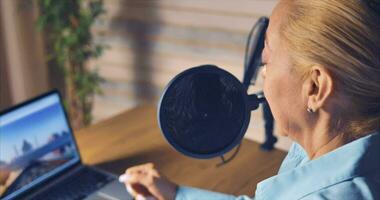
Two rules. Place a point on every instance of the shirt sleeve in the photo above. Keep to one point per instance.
(190, 193)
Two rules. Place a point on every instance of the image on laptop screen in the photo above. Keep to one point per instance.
(35, 143)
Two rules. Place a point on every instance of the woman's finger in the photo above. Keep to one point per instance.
(144, 178)
(138, 183)
(135, 184)
(143, 175)
(140, 189)
(131, 191)
(139, 168)
(139, 197)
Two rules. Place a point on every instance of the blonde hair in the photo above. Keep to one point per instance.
(344, 37)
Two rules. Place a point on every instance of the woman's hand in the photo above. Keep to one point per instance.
(145, 181)
(4, 175)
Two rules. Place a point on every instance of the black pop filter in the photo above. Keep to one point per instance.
(204, 111)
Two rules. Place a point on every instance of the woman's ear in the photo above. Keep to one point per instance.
(318, 87)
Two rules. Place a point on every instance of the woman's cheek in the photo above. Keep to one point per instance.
(267, 84)
(270, 88)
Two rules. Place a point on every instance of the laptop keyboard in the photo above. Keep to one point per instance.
(78, 186)
(28, 175)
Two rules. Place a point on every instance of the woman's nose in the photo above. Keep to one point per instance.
(264, 71)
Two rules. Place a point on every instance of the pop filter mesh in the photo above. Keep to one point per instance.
(203, 112)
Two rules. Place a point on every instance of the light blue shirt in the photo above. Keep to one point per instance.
(351, 172)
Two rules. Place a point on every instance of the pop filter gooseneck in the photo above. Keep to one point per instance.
(252, 62)
(253, 51)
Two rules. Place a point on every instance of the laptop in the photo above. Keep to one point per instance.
(39, 158)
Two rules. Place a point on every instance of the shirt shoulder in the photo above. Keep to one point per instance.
(367, 187)
(295, 157)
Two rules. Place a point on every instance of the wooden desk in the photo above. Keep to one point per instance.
(133, 137)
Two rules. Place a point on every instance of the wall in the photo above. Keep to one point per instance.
(22, 61)
(152, 41)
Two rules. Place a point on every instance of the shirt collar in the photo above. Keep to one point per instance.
(348, 161)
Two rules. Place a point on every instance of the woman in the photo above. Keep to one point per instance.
(322, 82)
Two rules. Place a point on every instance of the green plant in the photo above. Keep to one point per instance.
(67, 28)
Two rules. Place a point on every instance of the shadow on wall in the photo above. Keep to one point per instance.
(140, 21)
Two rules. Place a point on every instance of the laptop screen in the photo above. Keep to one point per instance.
(35, 143)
